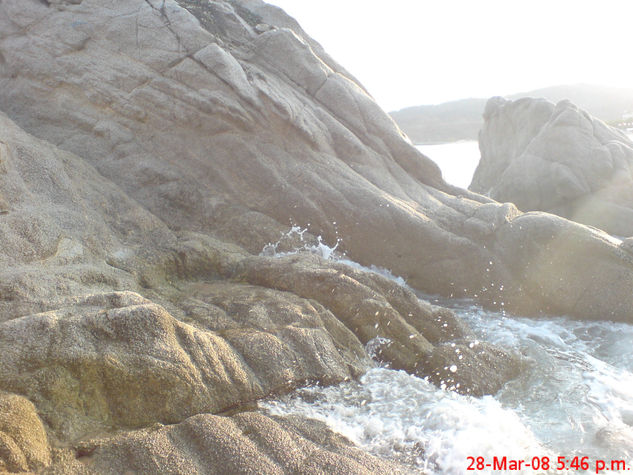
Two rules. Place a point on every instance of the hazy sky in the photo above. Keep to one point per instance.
(411, 52)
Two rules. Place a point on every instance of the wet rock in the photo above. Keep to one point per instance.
(472, 367)
(399, 329)
(364, 311)
(550, 257)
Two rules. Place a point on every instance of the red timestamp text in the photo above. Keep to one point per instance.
(561, 463)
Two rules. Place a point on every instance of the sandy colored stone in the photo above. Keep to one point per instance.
(122, 361)
(401, 330)
(218, 128)
(302, 326)
(23, 441)
(157, 149)
(246, 443)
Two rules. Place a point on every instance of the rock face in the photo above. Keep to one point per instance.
(174, 141)
(134, 365)
(220, 125)
(213, 331)
(244, 443)
(557, 158)
(23, 442)
(462, 119)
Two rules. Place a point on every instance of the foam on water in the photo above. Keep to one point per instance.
(573, 398)
(577, 395)
(376, 270)
(393, 414)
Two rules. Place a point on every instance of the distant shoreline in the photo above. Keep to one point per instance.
(462, 119)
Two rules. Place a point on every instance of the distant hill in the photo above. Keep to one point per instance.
(461, 120)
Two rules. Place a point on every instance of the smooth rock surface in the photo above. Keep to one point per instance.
(559, 159)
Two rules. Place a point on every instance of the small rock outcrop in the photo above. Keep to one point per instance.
(244, 443)
(559, 159)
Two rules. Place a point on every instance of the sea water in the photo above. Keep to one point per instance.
(571, 405)
(457, 160)
(574, 399)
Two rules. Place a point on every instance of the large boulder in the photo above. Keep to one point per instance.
(224, 119)
(559, 159)
(109, 319)
(216, 128)
(90, 367)
(202, 125)
(402, 330)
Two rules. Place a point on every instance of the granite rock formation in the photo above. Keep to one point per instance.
(223, 120)
(244, 443)
(559, 159)
(111, 322)
(150, 150)
(463, 119)
(23, 442)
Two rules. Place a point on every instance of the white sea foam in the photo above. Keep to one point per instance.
(577, 396)
(574, 398)
(374, 345)
(376, 270)
(394, 414)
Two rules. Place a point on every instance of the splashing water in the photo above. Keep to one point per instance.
(376, 344)
(393, 414)
(574, 399)
(578, 396)
(294, 235)
(272, 248)
(376, 270)
(322, 249)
